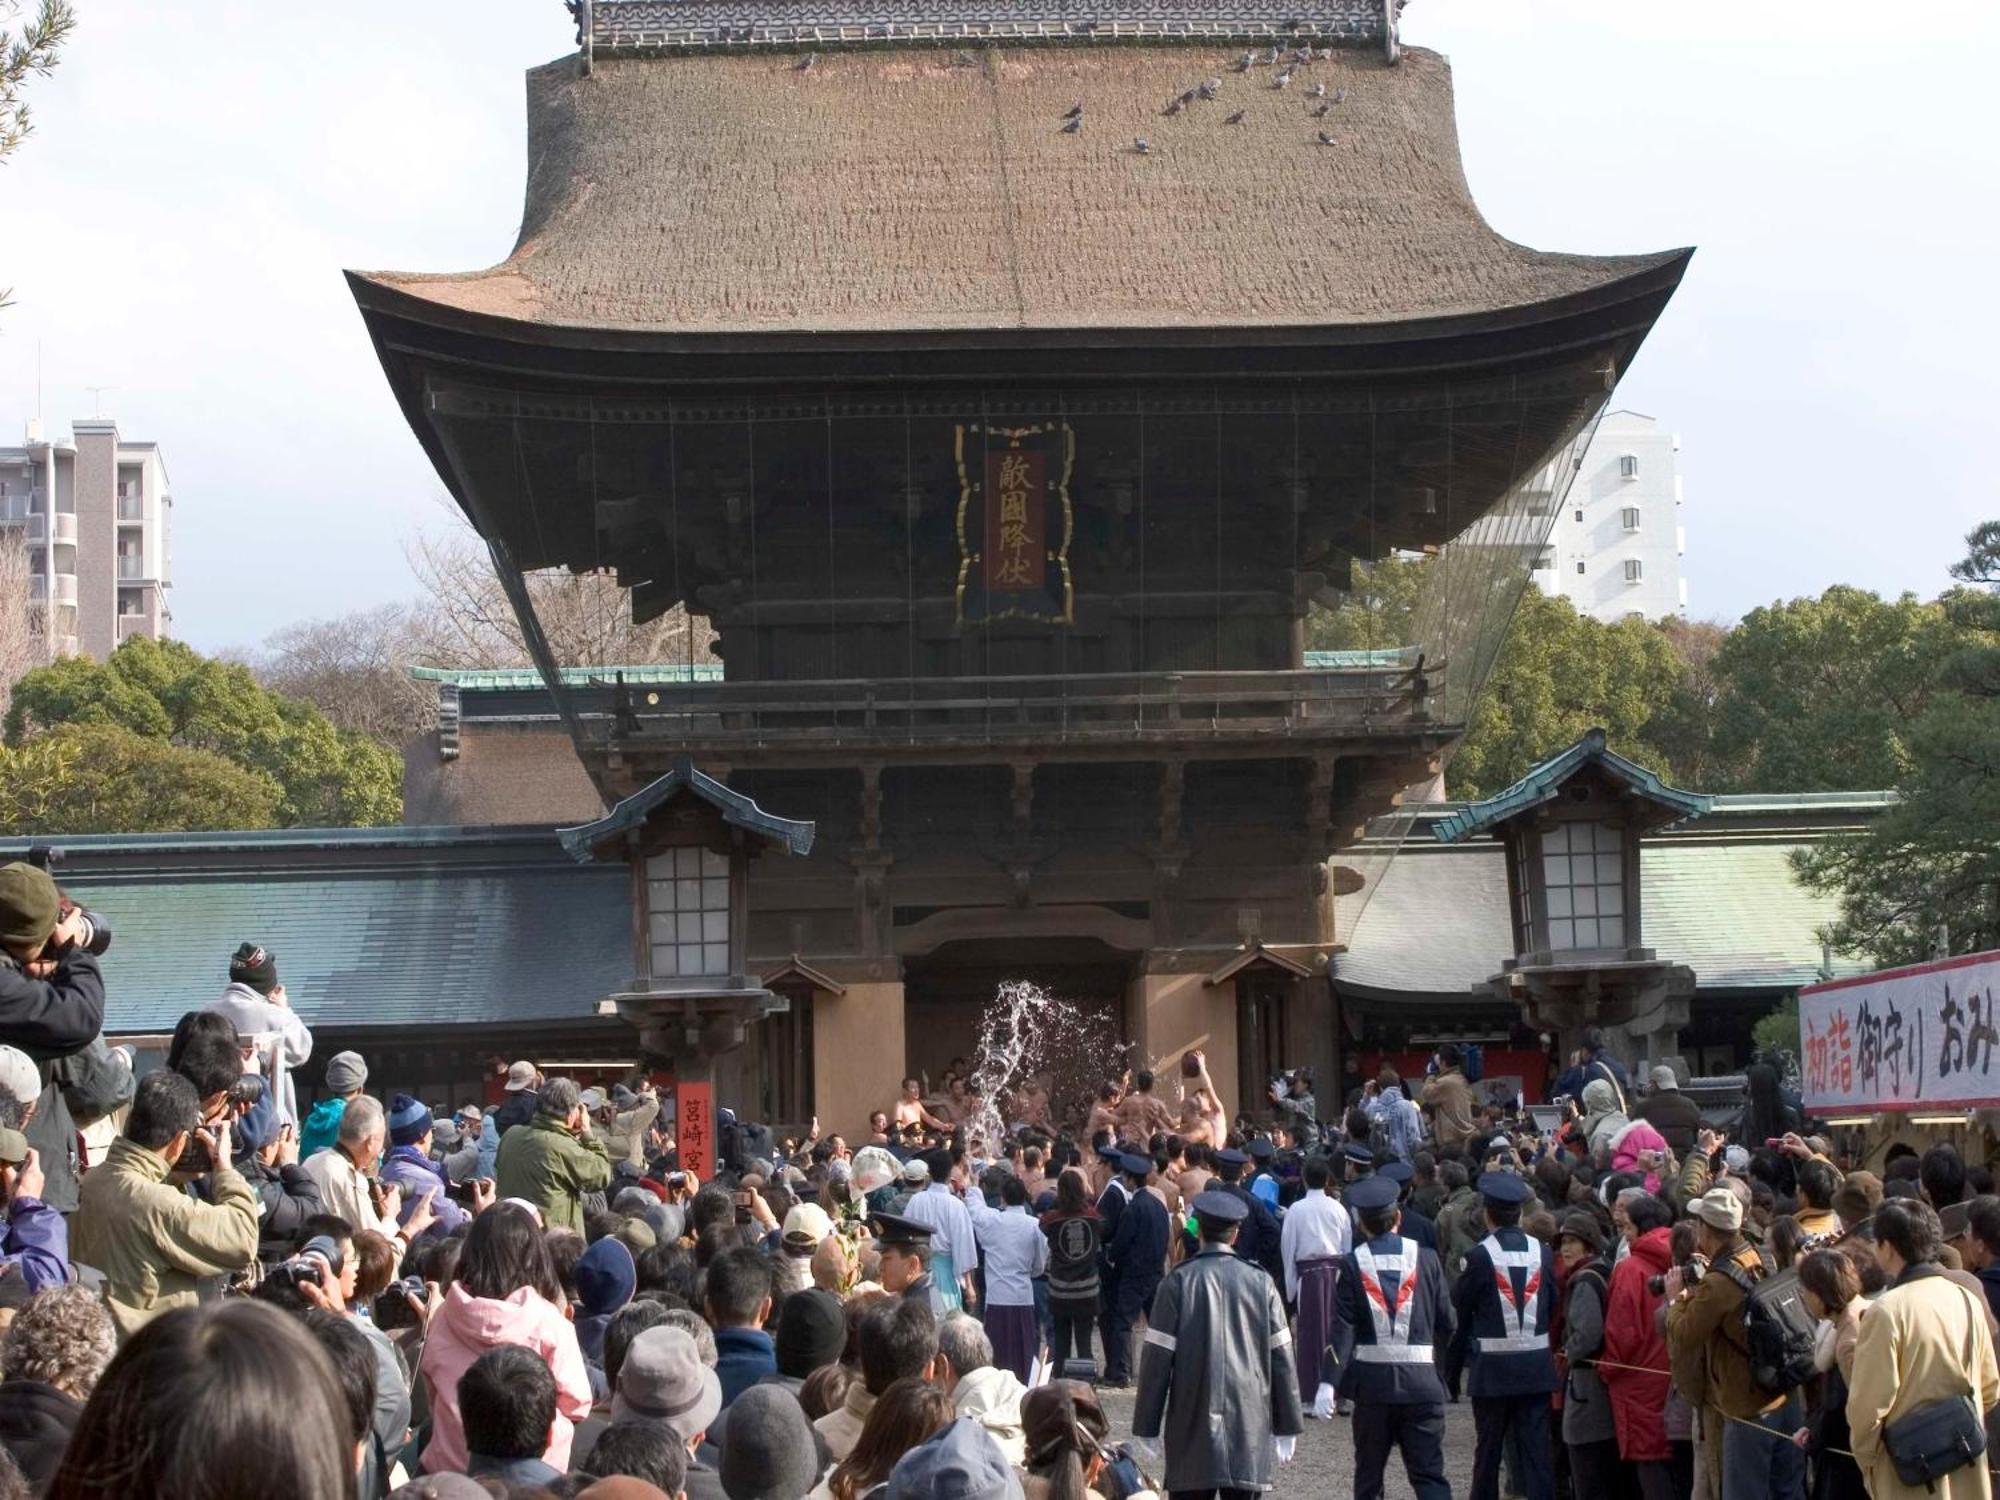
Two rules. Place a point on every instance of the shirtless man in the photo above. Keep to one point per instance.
(910, 1112)
(1031, 1104)
(1141, 1116)
(1104, 1113)
(1203, 1118)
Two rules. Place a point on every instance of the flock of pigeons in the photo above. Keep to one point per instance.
(1290, 60)
(1321, 101)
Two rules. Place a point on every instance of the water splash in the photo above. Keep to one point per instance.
(1029, 1036)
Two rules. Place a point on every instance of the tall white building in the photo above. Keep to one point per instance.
(96, 517)
(1616, 548)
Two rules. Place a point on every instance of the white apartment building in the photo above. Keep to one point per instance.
(1615, 550)
(97, 520)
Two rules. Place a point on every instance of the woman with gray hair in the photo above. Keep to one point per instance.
(51, 1358)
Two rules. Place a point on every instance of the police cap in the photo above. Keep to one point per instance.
(1220, 1208)
(1372, 1193)
(1504, 1188)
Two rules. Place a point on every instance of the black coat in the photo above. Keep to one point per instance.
(56, 1021)
(1260, 1240)
(1365, 1377)
(1137, 1250)
(36, 1421)
(518, 1109)
(1676, 1117)
(286, 1198)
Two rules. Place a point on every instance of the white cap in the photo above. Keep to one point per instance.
(916, 1169)
(807, 1223)
(19, 1076)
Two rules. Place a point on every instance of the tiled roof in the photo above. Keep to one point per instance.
(649, 24)
(892, 190)
(393, 942)
(737, 810)
(1433, 919)
(1545, 780)
(511, 678)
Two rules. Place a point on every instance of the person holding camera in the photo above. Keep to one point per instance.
(153, 1242)
(409, 1168)
(52, 1009)
(1448, 1097)
(36, 1246)
(1709, 1352)
(277, 1036)
(347, 1184)
(553, 1160)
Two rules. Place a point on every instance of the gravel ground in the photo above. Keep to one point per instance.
(1324, 1468)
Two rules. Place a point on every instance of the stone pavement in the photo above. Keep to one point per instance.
(1324, 1468)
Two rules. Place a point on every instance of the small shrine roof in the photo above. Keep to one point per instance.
(1545, 781)
(737, 810)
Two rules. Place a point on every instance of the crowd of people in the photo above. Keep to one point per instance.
(210, 1289)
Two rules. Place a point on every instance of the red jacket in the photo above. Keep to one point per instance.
(1632, 1337)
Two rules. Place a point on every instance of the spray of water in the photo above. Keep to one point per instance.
(1030, 1035)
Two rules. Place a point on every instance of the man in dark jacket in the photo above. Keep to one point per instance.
(1593, 1061)
(737, 1294)
(1392, 1323)
(52, 1008)
(1260, 1241)
(1669, 1111)
(287, 1195)
(523, 1098)
(1136, 1256)
(1217, 1342)
(1504, 1301)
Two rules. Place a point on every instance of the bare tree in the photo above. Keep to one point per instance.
(355, 669)
(24, 641)
(466, 621)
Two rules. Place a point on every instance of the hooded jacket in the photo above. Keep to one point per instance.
(322, 1126)
(278, 1035)
(464, 1328)
(992, 1397)
(1632, 1338)
(543, 1163)
(1602, 1118)
(155, 1243)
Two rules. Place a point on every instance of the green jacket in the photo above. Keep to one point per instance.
(1460, 1224)
(543, 1164)
(153, 1242)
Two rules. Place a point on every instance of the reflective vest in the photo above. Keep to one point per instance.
(1517, 1317)
(1390, 1305)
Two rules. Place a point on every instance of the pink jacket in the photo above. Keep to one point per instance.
(465, 1328)
(1637, 1137)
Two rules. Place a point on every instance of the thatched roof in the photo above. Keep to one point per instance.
(889, 190)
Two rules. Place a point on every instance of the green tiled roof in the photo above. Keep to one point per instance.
(737, 810)
(382, 946)
(1433, 921)
(1329, 661)
(1543, 782)
(511, 678)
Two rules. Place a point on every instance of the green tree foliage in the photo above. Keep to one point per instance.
(1559, 674)
(168, 694)
(1927, 871)
(1821, 694)
(1378, 613)
(103, 778)
(1777, 1030)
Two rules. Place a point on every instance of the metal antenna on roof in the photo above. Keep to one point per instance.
(97, 398)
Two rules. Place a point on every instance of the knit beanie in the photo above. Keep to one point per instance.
(254, 966)
(28, 906)
(812, 1331)
(768, 1451)
(409, 1120)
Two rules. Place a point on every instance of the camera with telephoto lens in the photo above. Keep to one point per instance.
(318, 1262)
(95, 939)
(1691, 1274)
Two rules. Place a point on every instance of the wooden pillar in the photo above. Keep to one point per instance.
(858, 1056)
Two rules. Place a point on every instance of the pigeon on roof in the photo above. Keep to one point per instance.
(1235, 119)
(805, 64)
(1074, 112)
(1072, 125)
(1143, 146)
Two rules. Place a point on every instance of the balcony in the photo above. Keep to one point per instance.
(131, 625)
(1104, 716)
(131, 505)
(131, 567)
(65, 590)
(64, 522)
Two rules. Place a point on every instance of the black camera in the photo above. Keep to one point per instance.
(247, 1092)
(392, 1306)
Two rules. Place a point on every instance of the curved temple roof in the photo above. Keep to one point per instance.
(898, 189)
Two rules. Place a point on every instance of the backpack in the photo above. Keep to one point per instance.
(1472, 1061)
(1778, 1332)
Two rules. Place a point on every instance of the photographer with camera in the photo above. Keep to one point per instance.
(1708, 1348)
(1448, 1098)
(278, 1039)
(52, 1009)
(347, 1184)
(153, 1242)
(36, 1245)
(553, 1160)
(409, 1168)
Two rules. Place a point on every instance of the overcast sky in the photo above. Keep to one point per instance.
(202, 173)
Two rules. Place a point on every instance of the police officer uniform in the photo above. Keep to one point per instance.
(1135, 1258)
(1504, 1300)
(1415, 1225)
(1392, 1323)
(894, 1232)
(1259, 1240)
(1216, 1384)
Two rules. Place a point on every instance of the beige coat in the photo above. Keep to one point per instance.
(1912, 1352)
